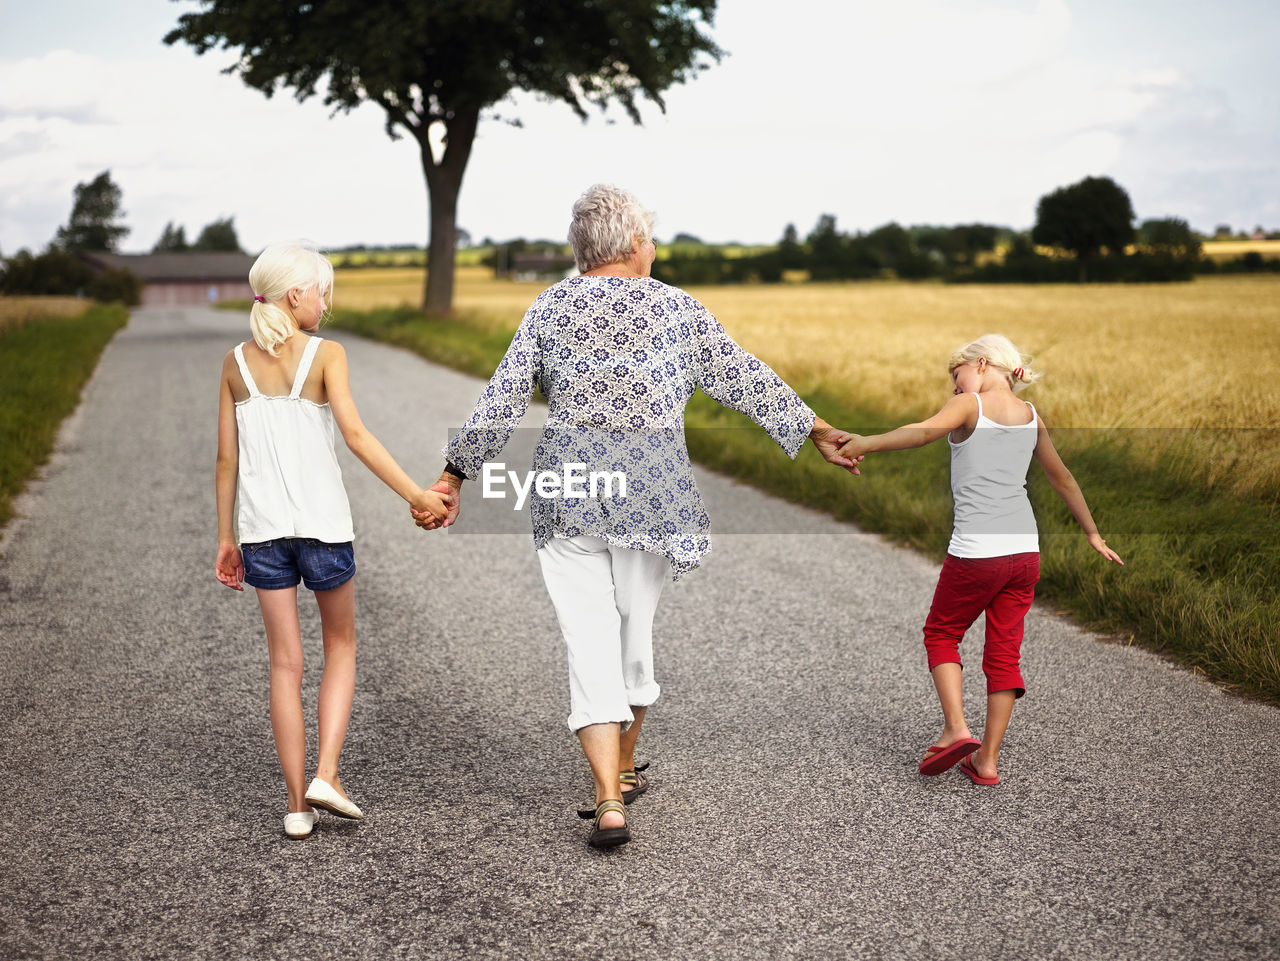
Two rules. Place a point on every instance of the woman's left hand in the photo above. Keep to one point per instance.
(828, 440)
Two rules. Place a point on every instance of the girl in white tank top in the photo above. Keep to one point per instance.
(279, 398)
(993, 559)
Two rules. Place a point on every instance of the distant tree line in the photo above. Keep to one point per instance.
(95, 227)
(1083, 232)
(828, 254)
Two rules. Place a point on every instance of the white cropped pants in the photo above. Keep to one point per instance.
(605, 598)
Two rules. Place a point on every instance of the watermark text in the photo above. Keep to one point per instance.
(575, 482)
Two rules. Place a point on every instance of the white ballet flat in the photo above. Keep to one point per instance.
(321, 794)
(298, 824)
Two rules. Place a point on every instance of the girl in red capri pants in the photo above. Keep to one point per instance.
(993, 561)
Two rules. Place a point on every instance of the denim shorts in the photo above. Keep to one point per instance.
(273, 565)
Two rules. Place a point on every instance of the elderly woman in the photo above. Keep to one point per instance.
(618, 355)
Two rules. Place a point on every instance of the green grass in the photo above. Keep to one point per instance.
(43, 368)
(1202, 577)
(453, 342)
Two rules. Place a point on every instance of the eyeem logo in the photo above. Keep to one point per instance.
(575, 482)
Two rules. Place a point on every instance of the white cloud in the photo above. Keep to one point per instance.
(919, 111)
(188, 144)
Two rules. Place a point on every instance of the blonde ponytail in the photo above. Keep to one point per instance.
(279, 269)
(270, 325)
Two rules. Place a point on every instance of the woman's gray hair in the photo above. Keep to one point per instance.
(606, 222)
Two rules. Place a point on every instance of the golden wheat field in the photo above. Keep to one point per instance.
(1202, 355)
(1231, 249)
(16, 311)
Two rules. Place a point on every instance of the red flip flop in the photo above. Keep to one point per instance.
(969, 771)
(941, 758)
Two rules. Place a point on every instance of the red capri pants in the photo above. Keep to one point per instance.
(1003, 587)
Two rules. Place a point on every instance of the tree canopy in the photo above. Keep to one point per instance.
(1170, 237)
(172, 240)
(95, 213)
(1085, 218)
(435, 67)
(219, 235)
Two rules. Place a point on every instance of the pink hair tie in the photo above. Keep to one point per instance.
(259, 300)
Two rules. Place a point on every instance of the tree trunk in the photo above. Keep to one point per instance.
(444, 182)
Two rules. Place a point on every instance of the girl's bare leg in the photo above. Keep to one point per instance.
(999, 711)
(338, 683)
(284, 644)
(600, 745)
(947, 680)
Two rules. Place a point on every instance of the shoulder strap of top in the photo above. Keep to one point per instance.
(1034, 416)
(304, 365)
(978, 398)
(244, 371)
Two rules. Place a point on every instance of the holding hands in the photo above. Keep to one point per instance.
(854, 447)
(447, 491)
(828, 440)
(437, 506)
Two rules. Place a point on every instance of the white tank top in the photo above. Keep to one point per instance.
(993, 516)
(290, 482)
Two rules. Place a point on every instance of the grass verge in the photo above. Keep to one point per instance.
(44, 364)
(1201, 582)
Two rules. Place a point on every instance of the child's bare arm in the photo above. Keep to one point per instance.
(960, 411)
(229, 566)
(360, 441)
(1065, 486)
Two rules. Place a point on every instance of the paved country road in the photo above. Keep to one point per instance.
(142, 802)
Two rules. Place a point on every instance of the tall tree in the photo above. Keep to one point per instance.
(172, 240)
(434, 66)
(219, 235)
(95, 213)
(828, 249)
(791, 255)
(1085, 218)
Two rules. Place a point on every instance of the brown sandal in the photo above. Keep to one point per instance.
(609, 837)
(639, 783)
(634, 776)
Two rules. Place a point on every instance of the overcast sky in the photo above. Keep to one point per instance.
(919, 111)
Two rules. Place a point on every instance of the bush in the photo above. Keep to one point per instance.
(56, 272)
(1249, 263)
(59, 273)
(116, 286)
(1023, 265)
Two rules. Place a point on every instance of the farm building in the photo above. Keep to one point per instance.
(538, 266)
(186, 278)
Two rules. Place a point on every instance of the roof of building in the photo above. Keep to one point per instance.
(527, 261)
(185, 267)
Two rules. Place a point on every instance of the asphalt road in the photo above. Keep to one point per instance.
(142, 810)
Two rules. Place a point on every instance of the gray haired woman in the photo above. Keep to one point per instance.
(618, 355)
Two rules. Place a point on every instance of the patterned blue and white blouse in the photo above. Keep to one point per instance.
(618, 359)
